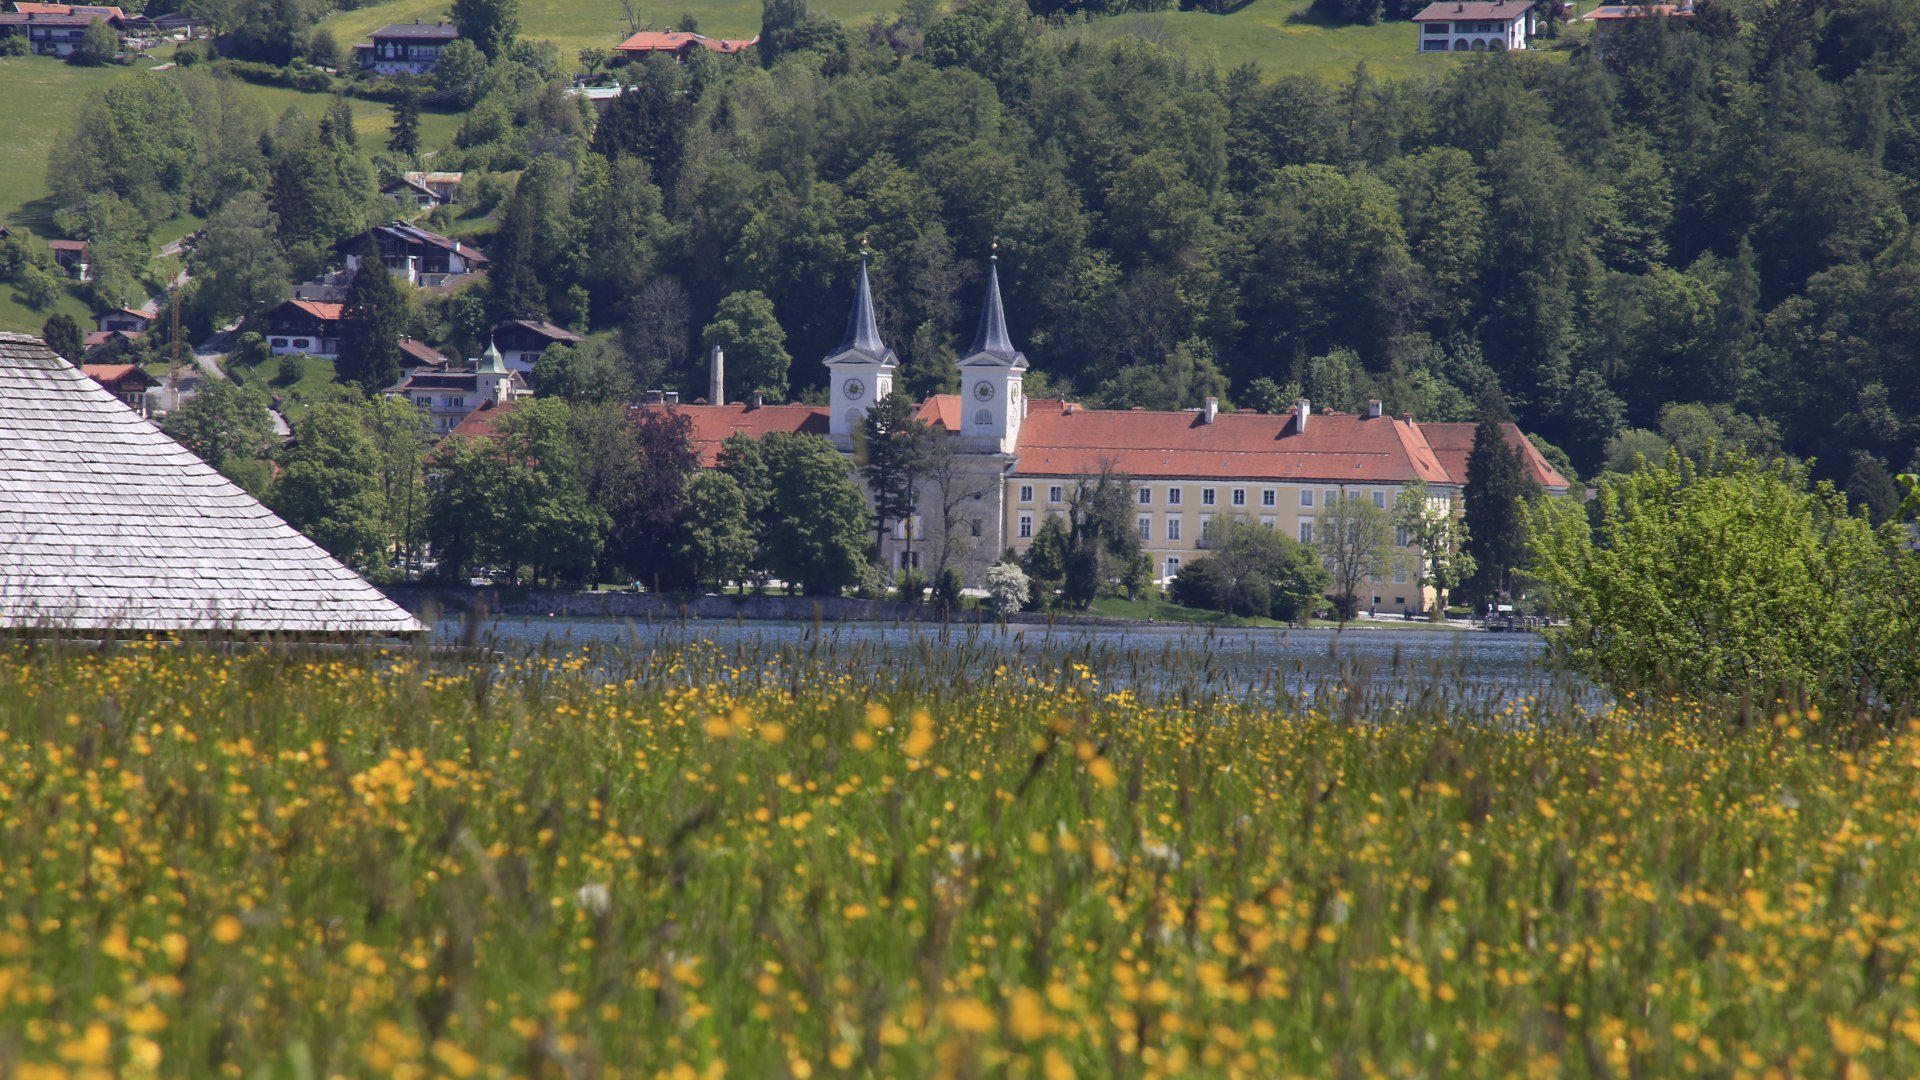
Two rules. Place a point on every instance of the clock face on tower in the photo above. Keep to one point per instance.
(853, 388)
(983, 391)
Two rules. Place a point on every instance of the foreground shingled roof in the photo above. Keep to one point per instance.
(107, 524)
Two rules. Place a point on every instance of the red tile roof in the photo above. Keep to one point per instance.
(1616, 12)
(947, 410)
(482, 422)
(112, 375)
(67, 245)
(69, 9)
(329, 312)
(1453, 442)
(714, 423)
(1057, 440)
(674, 41)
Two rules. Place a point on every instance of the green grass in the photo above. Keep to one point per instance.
(1283, 37)
(17, 316)
(976, 858)
(300, 382)
(573, 25)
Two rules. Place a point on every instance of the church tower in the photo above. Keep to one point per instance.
(990, 374)
(859, 370)
(491, 376)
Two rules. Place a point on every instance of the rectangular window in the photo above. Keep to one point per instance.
(1327, 498)
(1026, 526)
(1146, 496)
(1380, 499)
(1173, 565)
(977, 526)
(1206, 528)
(1239, 496)
(1173, 527)
(1053, 494)
(1145, 524)
(1026, 492)
(1268, 520)
(1206, 496)
(1400, 537)
(1267, 498)
(1306, 532)
(1306, 497)
(1437, 28)
(1173, 496)
(1399, 575)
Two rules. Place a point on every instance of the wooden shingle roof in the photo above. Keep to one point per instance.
(106, 524)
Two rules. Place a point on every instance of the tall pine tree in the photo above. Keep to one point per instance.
(376, 319)
(1497, 483)
(404, 136)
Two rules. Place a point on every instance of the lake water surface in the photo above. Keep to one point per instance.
(1467, 667)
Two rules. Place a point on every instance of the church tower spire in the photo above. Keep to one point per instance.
(991, 373)
(859, 369)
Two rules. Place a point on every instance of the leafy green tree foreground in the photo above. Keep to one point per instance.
(842, 860)
(1728, 577)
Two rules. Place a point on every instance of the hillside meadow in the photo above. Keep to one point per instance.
(689, 862)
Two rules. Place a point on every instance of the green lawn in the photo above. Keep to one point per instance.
(1282, 37)
(578, 24)
(300, 382)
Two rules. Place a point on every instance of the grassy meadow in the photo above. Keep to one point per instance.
(690, 863)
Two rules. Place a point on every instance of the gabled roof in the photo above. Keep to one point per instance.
(406, 183)
(675, 40)
(483, 422)
(422, 353)
(67, 245)
(411, 234)
(434, 177)
(1617, 12)
(69, 9)
(1455, 10)
(714, 423)
(315, 308)
(112, 526)
(1058, 440)
(422, 31)
(545, 329)
(110, 374)
(1453, 442)
(946, 410)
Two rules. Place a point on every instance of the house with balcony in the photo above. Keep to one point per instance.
(522, 341)
(1475, 25)
(406, 48)
(297, 327)
(416, 256)
(56, 29)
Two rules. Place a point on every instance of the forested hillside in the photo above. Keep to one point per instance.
(1703, 230)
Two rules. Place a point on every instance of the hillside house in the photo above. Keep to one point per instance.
(522, 341)
(56, 29)
(415, 255)
(406, 48)
(419, 354)
(1475, 25)
(127, 320)
(303, 327)
(677, 44)
(71, 257)
(447, 397)
(402, 190)
(128, 382)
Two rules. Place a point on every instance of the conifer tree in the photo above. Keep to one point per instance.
(1497, 486)
(376, 319)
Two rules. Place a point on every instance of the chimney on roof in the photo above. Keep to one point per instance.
(717, 376)
(673, 397)
(1373, 408)
(654, 397)
(1301, 410)
(756, 400)
(1211, 410)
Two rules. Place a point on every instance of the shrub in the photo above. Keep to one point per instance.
(1007, 587)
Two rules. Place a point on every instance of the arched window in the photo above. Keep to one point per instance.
(1497, 45)
(1479, 46)
(1460, 45)
(983, 418)
(853, 418)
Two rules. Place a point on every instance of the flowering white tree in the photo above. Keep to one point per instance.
(1006, 587)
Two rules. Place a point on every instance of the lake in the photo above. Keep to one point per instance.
(1156, 660)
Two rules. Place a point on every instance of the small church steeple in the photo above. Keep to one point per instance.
(860, 369)
(990, 372)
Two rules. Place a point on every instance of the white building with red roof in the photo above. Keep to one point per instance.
(1022, 460)
(1476, 25)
